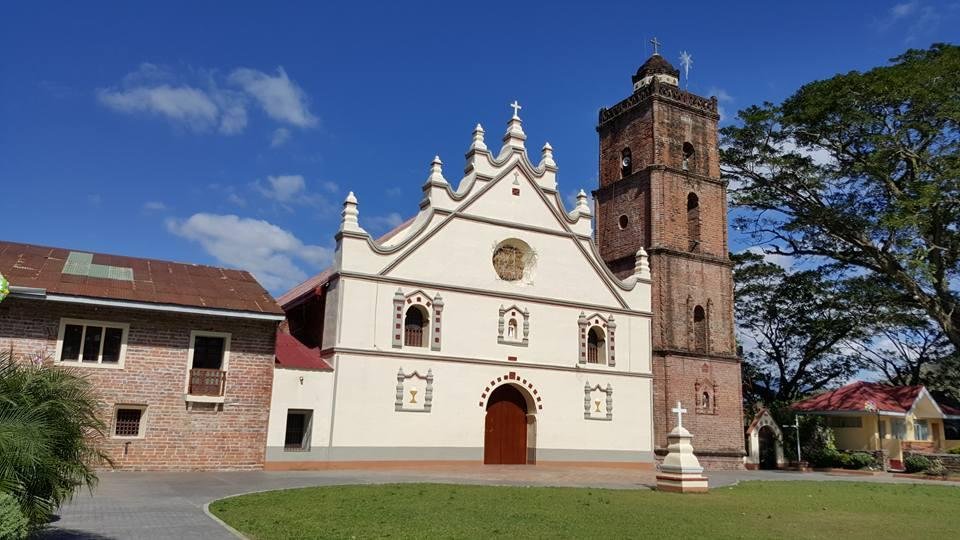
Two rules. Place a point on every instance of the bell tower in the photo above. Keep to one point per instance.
(660, 189)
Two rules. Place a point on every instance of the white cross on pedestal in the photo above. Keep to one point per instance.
(679, 410)
(516, 108)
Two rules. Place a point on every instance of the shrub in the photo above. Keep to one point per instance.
(936, 468)
(13, 524)
(954, 451)
(916, 463)
(860, 460)
(825, 457)
(49, 432)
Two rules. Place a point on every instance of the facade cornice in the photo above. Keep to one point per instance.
(720, 357)
(701, 257)
(485, 292)
(657, 91)
(484, 361)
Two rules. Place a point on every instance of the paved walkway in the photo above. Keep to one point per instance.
(170, 505)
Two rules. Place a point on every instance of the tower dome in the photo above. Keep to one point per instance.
(656, 67)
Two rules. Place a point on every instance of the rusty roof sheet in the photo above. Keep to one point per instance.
(150, 280)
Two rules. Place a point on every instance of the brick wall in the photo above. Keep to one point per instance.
(154, 374)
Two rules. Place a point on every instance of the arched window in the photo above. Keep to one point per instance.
(626, 163)
(705, 401)
(415, 330)
(688, 156)
(699, 329)
(596, 346)
(693, 222)
(512, 329)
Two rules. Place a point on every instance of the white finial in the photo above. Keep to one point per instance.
(514, 137)
(679, 411)
(436, 171)
(641, 265)
(582, 205)
(547, 158)
(350, 214)
(478, 143)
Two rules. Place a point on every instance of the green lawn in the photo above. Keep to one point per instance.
(750, 510)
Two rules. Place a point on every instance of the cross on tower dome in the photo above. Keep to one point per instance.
(656, 45)
(516, 108)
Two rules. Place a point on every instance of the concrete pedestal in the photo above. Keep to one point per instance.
(681, 471)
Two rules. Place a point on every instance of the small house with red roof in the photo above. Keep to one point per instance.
(871, 416)
(180, 355)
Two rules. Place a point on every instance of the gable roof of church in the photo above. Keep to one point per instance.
(42, 272)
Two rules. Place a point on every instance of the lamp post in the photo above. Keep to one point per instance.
(796, 425)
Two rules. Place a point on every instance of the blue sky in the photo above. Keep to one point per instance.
(229, 134)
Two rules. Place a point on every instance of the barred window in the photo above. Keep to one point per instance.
(128, 422)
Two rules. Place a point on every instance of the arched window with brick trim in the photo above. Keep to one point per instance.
(699, 329)
(688, 156)
(416, 327)
(693, 222)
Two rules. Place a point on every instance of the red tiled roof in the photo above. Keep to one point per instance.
(854, 397)
(291, 353)
(312, 283)
(153, 281)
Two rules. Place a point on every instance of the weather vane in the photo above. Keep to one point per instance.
(686, 60)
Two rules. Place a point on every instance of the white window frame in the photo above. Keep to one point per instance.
(926, 423)
(125, 327)
(305, 444)
(224, 365)
(143, 422)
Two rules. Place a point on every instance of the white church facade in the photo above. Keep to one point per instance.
(486, 329)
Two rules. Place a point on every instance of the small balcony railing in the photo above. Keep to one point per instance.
(593, 356)
(207, 382)
(413, 336)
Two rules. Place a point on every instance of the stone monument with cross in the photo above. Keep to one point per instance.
(681, 471)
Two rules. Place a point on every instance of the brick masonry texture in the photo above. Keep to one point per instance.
(654, 198)
(154, 374)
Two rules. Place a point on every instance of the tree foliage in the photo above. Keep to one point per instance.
(791, 326)
(48, 436)
(862, 169)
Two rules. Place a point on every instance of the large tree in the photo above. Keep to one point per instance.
(863, 170)
(792, 326)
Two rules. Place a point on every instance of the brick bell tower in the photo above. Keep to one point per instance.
(660, 189)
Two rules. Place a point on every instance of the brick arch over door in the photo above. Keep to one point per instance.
(511, 377)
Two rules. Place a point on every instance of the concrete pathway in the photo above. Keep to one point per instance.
(170, 505)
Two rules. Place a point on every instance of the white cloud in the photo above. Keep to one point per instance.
(280, 97)
(723, 98)
(283, 188)
(280, 137)
(154, 206)
(291, 189)
(183, 104)
(783, 261)
(329, 186)
(270, 252)
(915, 18)
(380, 224)
(199, 103)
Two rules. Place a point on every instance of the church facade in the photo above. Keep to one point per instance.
(496, 326)
(486, 329)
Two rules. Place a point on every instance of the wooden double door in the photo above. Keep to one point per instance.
(505, 436)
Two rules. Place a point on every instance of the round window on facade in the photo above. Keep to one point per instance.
(512, 259)
(623, 221)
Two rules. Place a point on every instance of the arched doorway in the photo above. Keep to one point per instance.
(768, 448)
(505, 433)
